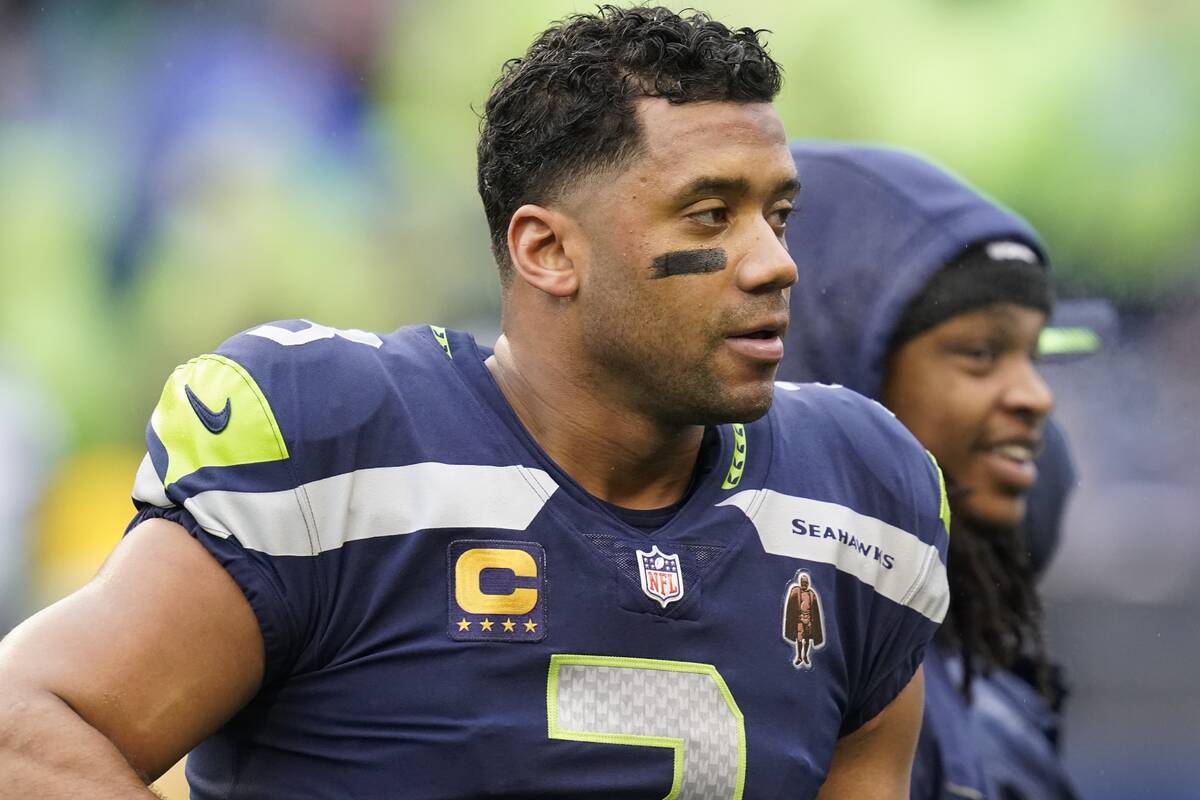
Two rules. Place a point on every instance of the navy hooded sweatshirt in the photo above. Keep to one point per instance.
(872, 226)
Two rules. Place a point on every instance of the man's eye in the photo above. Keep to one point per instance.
(780, 216)
(711, 216)
(982, 355)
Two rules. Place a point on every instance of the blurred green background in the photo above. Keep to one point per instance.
(1083, 116)
(173, 173)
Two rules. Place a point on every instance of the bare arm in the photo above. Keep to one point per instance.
(103, 691)
(875, 761)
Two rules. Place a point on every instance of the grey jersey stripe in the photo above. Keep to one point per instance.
(368, 503)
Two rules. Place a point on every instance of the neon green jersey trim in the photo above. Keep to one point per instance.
(944, 506)
(737, 464)
(559, 660)
(251, 435)
(439, 333)
(1068, 341)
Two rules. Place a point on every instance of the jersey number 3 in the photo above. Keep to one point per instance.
(644, 702)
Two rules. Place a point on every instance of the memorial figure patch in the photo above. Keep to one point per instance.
(802, 624)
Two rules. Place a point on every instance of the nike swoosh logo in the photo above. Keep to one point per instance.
(214, 421)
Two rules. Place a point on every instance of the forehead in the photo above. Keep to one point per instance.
(738, 140)
(1008, 317)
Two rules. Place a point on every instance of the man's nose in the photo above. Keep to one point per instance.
(1028, 392)
(768, 266)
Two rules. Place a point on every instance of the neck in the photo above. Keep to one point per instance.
(613, 451)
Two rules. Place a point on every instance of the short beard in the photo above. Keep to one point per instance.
(658, 384)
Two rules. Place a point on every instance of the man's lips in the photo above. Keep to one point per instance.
(763, 327)
(759, 349)
(1011, 462)
(761, 341)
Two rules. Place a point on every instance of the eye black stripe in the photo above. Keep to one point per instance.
(688, 262)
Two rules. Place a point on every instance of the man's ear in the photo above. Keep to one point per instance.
(536, 247)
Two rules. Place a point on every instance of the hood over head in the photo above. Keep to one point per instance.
(873, 225)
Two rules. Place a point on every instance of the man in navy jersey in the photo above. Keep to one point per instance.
(407, 566)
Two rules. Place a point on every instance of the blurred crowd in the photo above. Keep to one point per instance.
(171, 173)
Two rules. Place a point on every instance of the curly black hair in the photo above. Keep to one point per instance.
(566, 109)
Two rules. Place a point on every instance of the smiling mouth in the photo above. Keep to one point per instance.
(1020, 453)
(1011, 464)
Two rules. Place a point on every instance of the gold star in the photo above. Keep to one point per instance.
(530, 625)
(508, 625)
(486, 624)
(463, 625)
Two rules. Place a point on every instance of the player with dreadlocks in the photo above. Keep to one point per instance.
(916, 291)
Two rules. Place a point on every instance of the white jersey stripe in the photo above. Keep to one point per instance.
(148, 486)
(893, 561)
(385, 501)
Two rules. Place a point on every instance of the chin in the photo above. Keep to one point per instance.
(749, 403)
(996, 511)
(706, 399)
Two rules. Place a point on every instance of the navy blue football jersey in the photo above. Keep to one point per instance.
(999, 746)
(1016, 733)
(447, 614)
(947, 765)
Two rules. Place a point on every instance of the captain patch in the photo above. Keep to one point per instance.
(497, 591)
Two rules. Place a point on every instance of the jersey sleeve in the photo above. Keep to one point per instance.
(909, 492)
(854, 499)
(222, 461)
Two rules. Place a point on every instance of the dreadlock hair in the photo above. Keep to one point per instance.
(995, 617)
(566, 111)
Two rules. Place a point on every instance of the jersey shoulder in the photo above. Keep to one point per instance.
(280, 388)
(852, 497)
(804, 409)
(881, 465)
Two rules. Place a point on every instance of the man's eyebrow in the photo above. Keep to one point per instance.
(788, 187)
(711, 185)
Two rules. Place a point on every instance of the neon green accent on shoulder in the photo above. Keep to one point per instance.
(738, 463)
(251, 435)
(1068, 341)
(559, 660)
(944, 505)
(439, 333)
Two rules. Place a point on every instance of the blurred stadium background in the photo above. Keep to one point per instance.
(171, 173)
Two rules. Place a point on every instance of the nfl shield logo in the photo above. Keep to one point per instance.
(662, 579)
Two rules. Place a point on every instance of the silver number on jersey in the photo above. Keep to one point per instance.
(313, 333)
(680, 705)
